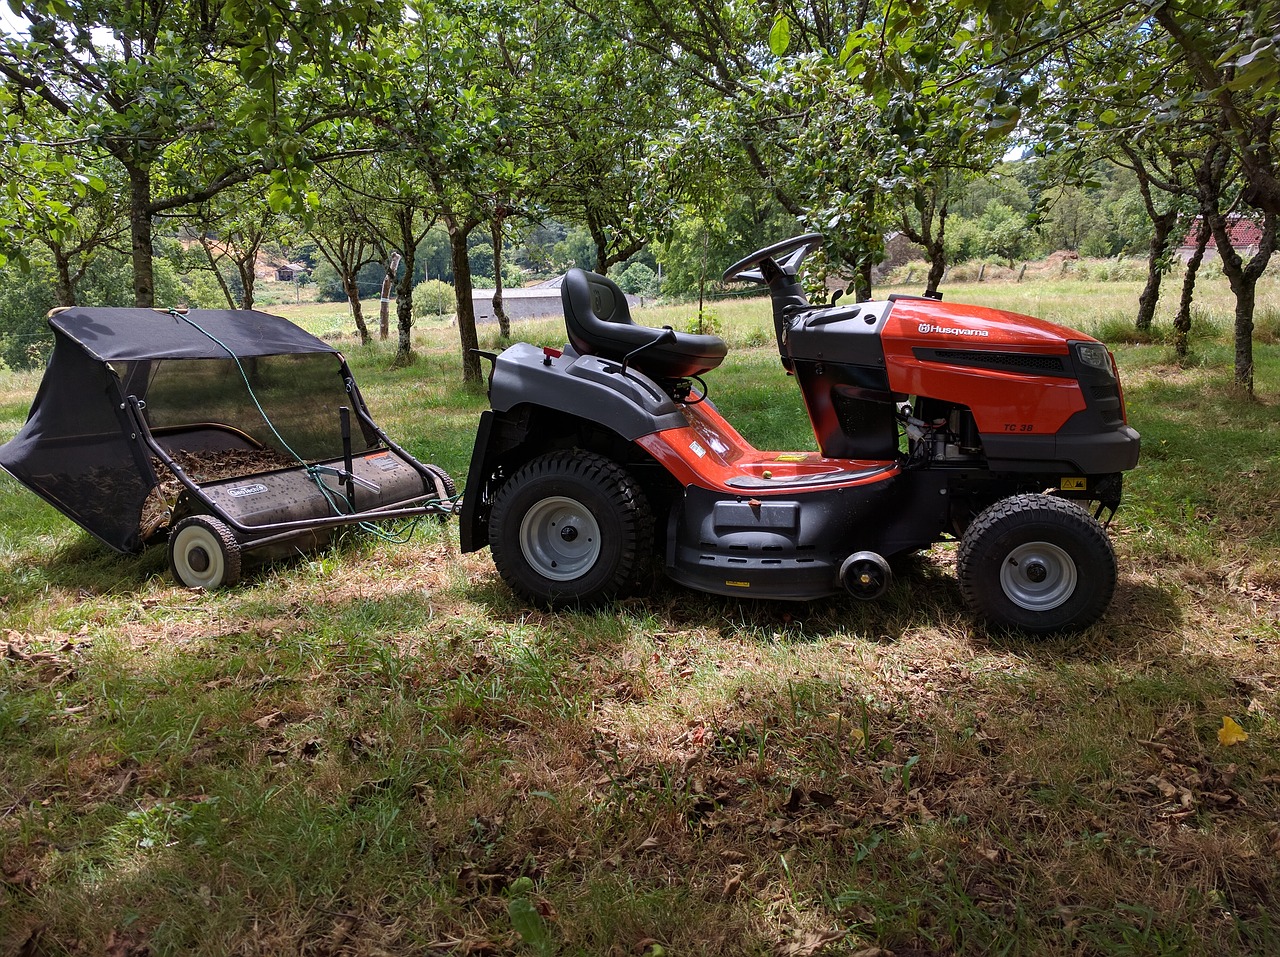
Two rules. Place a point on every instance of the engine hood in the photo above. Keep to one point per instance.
(926, 322)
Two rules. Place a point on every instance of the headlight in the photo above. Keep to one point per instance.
(1094, 355)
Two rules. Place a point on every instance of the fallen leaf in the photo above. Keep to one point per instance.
(808, 943)
(267, 720)
(1231, 733)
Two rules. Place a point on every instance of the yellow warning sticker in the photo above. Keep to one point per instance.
(1074, 484)
(739, 584)
(792, 457)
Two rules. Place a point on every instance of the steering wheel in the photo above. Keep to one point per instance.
(787, 255)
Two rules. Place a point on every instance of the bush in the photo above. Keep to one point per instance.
(1112, 270)
(708, 324)
(639, 280)
(25, 298)
(962, 240)
(433, 298)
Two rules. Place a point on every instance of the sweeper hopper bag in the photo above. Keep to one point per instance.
(221, 432)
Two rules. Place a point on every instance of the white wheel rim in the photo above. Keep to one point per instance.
(1038, 576)
(198, 556)
(560, 538)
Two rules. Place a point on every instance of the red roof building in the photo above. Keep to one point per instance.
(1245, 235)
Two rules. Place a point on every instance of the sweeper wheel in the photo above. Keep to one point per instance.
(204, 553)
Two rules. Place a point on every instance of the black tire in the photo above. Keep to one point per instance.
(571, 528)
(1037, 563)
(204, 553)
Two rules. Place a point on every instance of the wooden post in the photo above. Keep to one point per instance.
(384, 305)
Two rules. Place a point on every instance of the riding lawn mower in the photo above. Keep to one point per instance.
(931, 421)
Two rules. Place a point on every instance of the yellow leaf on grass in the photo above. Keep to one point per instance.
(1231, 733)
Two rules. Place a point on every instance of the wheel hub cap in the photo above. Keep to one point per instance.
(198, 559)
(1038, 576)
(560, 538)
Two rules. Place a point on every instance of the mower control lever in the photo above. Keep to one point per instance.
(667, 335)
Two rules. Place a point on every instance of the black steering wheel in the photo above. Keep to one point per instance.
(787, 255)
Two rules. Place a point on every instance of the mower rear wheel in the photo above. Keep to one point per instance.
(1037, 563)
(571, 528)
(204, 553)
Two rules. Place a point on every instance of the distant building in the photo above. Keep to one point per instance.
(288, 272)
(526, 302)
(1245, 236)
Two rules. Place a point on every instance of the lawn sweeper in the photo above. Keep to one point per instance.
(931, 420)
(226, 433)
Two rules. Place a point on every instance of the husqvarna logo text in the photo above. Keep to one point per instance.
(927, 328)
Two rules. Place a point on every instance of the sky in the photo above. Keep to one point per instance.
(10, 22)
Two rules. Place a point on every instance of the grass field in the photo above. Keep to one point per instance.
(376, 749)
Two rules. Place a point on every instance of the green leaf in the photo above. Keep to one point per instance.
(528, 923)
(780, 36)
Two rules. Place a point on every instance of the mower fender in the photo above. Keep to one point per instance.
(529, 382)
(588, 387)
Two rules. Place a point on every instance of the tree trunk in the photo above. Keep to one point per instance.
(247, 279)
(352, 288)
(1244, 284)
(384, 300)
(404, 308)
(1182, 321)
(466, 308)
(602, 248)
(1162, 229)
(64, 290)
(144, 284)
(862, 281)
(937, 268)
(504, 324)
(1246, 294)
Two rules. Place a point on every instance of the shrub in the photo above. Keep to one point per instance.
(962, 240)
(708, 324)
(638, 280)
(1112, 270)
(433, 298)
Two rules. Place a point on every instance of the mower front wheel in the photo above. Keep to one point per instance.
(571, 528)
(1037, 563)
(204, 553)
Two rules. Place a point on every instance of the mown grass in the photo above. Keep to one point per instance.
(377, 749)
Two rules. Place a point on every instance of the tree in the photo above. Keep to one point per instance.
(439, 102)
(154, 91)
(847, 119)
(337, 228)
(231, 228)
(397, 217)
(1232, 90)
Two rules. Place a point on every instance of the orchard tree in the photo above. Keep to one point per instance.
(438, 101)
(231, 229)
(336, 225)
(1230, 87)
(187, 98)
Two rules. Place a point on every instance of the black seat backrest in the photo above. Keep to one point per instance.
(598, 320)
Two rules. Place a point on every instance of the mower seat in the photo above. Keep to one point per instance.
(599, 323)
